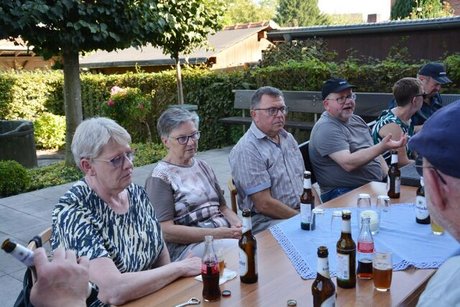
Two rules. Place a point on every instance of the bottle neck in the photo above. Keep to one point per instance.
(323, 267)
(307, 183)
(394, 159)
(247, 224)
(346, 226)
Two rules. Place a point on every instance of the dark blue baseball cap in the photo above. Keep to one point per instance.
(435, 71)
(334, 85)
(439, 140)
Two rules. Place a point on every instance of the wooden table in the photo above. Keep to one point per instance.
(278, 280)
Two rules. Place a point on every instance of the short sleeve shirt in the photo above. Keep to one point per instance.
(257, 163)
(83, 222)
(330, 135)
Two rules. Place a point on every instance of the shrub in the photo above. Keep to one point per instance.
(148, 153)
(51, 175)
(50, 131)
(15, 178)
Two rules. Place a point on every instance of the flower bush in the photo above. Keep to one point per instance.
(128, 105)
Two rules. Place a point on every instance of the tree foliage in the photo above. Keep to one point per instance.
(67, 27)
(187, 24)
(430, 9)
(294, 13)
(401, 9)
(246, 11)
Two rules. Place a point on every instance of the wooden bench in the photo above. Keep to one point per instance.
(368, 106)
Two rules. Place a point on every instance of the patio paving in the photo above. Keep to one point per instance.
(24, 216)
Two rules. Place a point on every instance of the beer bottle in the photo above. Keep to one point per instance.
(394, 177)
(323, 289)
(365, 250)
(422, 216)
(307, 204)
(210, 272)
(248, 251)
(346, 254)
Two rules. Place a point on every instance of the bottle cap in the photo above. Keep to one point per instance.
(226, 293)
(291, 302)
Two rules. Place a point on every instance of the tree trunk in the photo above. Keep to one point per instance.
(180, 91)
(72, 99)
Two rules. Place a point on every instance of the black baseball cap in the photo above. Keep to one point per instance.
(435, 71)
(334, 85)
(437, 141)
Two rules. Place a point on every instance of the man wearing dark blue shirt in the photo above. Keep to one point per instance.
(433, 76)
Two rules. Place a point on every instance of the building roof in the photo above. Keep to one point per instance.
(153, 56)
(17, 48)
(302, 33)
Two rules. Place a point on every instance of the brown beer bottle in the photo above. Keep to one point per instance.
(394, 177)
(210, 272)
(422, 216)
(248, 251)
(307, 204)
(346, 254)
(323, 289)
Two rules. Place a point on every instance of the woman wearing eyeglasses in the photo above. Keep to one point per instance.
(109, 219)
(185, 193)
(408, 93)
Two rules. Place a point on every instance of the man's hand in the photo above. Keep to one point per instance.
(62, 281)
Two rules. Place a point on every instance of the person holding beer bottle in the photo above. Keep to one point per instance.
(439, 145)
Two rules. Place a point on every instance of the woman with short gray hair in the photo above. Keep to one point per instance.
(109, 219)
(185, 193)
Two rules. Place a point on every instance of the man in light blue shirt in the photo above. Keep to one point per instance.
(267, 166)
(439, 145)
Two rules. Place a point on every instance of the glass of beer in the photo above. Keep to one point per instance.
(435, 228)
(382, 270)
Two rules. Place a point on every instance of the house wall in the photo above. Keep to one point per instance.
(432, 44)
(24, 63)
(247, 51)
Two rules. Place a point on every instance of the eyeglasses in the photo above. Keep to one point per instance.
(183, 140)
(274, 111)
(443, 180)
(118, 161)
(341, 100)
(423, 95)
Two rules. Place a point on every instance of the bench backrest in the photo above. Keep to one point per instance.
(367, 104)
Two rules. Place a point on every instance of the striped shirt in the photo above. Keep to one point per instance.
(258, 163)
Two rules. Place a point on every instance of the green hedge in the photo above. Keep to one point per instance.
(27, 95)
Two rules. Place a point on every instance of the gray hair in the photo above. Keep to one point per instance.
(93, 134)
(172, 118)
(265, 90)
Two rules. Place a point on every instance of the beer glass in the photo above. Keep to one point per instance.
(436, 228)
(382, 271)
(383, 207)
(336, 222)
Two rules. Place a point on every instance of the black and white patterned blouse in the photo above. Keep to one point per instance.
(84, 223)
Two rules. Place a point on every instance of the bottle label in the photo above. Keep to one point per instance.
(247, 224)
(305, 213)
(421, 211)
(307, 183)
(346, 226)
(323, 267)
(244, 262)
(394, 159)
(365, 247)
(329, 302)
(210, 268)
(397, 184)
(343, 266)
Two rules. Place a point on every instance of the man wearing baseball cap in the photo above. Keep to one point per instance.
(341, 148)
(433, 76)
(439, 145)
